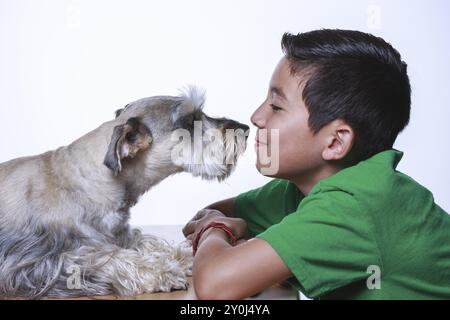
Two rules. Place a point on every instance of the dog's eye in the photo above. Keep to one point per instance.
(188, 120)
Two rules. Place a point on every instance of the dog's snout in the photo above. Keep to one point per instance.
(244, 127)
(234, 125)
(231, 124)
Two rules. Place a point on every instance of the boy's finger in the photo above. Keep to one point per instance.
(200, 214)
(189, 227)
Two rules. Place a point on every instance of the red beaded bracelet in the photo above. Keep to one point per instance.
(217, 225)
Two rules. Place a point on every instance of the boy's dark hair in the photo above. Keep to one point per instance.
(356, 77)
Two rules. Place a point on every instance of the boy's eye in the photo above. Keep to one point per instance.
(275, 108)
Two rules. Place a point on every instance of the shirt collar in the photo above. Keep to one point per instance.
(389, 158)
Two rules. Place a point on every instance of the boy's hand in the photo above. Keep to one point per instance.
(193, 224)
(206, 216)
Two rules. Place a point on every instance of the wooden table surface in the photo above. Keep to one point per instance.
(173, 234)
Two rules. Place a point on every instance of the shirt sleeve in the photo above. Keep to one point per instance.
(267, 205)
(327, 243)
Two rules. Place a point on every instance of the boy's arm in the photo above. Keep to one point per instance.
(225, 272)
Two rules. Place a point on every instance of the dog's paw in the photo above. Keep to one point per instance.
(181, 284)
(174, 280)
(185, 257)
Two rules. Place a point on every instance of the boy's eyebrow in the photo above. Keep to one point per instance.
(278, 91)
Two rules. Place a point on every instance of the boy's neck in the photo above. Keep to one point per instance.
(306, 182)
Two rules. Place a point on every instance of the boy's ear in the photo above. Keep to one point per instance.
(340, 141)
(126, 141)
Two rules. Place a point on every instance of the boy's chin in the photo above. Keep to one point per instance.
(267, 170)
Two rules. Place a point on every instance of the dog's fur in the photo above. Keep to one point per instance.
(68, 209)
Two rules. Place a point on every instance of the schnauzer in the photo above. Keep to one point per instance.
(64, 214)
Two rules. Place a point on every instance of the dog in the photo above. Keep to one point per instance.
(64, 214)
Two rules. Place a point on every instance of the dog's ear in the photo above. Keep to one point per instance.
(119, 111)
(126, 141)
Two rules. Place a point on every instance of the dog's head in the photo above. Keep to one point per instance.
(173, 134)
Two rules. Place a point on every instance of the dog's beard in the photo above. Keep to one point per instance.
(217, 159)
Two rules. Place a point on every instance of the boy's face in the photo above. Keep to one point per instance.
(299, 151)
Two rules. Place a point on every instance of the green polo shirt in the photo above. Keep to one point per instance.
(367, 232)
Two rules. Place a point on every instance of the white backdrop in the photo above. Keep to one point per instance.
(66, 66)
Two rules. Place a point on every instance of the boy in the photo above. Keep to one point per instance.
(338, 220)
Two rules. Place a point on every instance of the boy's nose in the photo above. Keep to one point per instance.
(258, 119)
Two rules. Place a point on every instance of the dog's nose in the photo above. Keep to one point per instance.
(237, 125)
(244, 127)
(231, 124)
